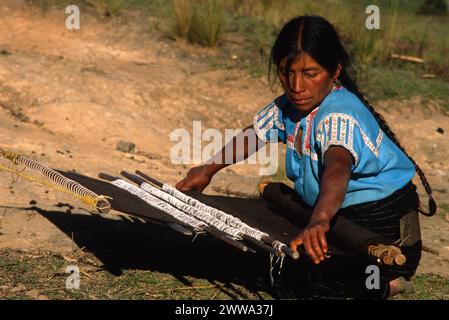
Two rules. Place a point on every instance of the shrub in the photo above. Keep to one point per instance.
(438, 7)
(106, 8)
(199, 21)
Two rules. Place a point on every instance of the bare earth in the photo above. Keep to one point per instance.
(68, 97)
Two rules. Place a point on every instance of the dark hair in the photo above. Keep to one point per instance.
(317, 37)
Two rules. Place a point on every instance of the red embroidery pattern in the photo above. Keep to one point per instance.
(309, 121)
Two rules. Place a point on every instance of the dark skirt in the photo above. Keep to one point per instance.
(345, 277)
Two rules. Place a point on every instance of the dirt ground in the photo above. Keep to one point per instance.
(68, 97)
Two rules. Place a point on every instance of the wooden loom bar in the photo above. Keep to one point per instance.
(209, 229)
(248, 238)
(285, 250)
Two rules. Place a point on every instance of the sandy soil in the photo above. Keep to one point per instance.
(68, 97)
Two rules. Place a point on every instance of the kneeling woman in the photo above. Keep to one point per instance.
(341, 155)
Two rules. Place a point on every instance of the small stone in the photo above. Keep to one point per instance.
(126, 147)
(440, 130)
(38, 123)
(33, 202)
(62, 205)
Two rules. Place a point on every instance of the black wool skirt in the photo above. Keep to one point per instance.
(350, 276)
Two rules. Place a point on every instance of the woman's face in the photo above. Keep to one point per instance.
(307, 83)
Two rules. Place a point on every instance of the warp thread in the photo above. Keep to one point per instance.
(168, 208)
(218, 214)
(59, 182)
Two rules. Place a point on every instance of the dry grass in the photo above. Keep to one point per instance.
(205, 22)
(199, 21)
(42, 275)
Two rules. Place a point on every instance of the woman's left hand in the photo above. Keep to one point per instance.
(334, 183)
(314, 240)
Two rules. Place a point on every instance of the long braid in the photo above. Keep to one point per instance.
(349, 84)
(315, 36)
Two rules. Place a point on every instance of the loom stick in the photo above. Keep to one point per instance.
(263, 246)
(122, 200)
(284, 250)
(138, 180)
(244, 236)
(160, 197)
(342, 231)
(230, 220)
(58, 181)
(150, 179)
(107, 177)
(179, 228)
(209, 229)
(224, 237)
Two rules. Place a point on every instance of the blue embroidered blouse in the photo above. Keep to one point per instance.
(379, 168)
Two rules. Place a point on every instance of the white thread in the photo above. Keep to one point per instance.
(195, 212)
(271, 269)
(281, 265)
(273, 265)
(221, 215)
(218, 214)
(204, 215)
(56, 177)
(178, 214)
(278, 245)
(155, 202)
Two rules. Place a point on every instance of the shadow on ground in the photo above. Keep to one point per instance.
(130, 243)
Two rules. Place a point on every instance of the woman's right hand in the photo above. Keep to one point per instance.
(197, 179)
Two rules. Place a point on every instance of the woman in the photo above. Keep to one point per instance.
(341, 155)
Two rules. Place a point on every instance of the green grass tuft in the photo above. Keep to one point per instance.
(200, 21)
